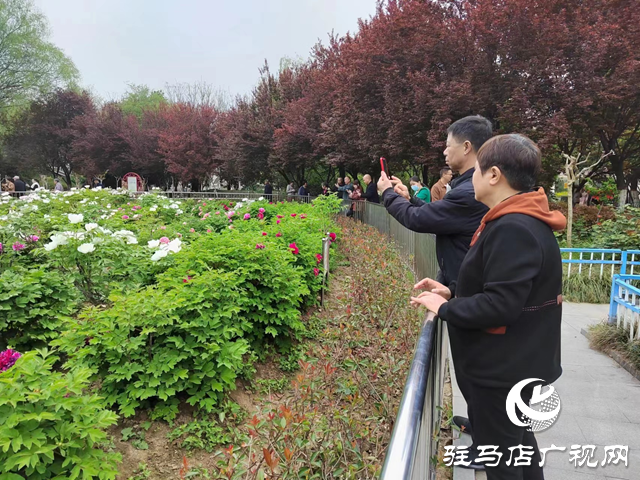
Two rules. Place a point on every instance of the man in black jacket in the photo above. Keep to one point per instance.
(21, 187)
(371, 193)
(268, 190)
(456, 217)
(504, 313)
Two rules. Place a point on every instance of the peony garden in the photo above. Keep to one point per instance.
(114, 304)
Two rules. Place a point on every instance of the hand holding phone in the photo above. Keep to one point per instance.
(384, 167)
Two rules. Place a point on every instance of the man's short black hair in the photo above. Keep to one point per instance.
(475, 129)
(517, 156)
(445, 170)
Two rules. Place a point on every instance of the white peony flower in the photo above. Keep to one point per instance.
(75, 218)
(175, 245)
(260, 199)
(86, 248)
(153, 243)
(90, 226)
(159, 254)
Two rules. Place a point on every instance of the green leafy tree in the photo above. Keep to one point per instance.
(30, 65)
(141, 98)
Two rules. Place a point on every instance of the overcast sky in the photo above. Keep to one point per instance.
(222, 42)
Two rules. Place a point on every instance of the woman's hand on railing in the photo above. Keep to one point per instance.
(433, 287)
(432, 301)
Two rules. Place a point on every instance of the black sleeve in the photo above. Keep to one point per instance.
(451, 215)
(369, 193)
(512, 258)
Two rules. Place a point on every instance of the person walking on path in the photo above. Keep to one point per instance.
(268, 190)
(58, 187)
(419, 190)
(504, 312)
(371, 193)
(439, 189)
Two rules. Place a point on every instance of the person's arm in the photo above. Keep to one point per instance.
(512, 258)
(454, 214)
(424, 195)
(369, 192)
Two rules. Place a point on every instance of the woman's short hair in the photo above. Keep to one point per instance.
(415, 179)
(517, 156)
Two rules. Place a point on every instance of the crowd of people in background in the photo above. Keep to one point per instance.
(18, 187)
(354, 191)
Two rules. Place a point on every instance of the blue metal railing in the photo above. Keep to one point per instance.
(624, 307)
(620, 261)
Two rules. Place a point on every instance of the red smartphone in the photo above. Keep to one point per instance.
(384, 167)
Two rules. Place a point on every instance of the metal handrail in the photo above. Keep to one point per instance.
(403, 447)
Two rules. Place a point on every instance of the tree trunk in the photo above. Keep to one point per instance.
(569, 214)
(633, 184)
(618, 170)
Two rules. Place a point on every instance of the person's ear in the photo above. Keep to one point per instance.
(495, 176)
(468, 148)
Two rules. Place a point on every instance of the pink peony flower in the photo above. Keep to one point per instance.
(165, 240)
(278, 221)
(8, 359)
(316, 272)
(294, 248)
(259, 246)
(208, 230)
(33, 238)
(318, 258)
(179, 234)
(261, 210)
(247, 216)
(186, 280)
(264, 234)
(125, 217)
(278, 234)
(332, 236)
(260, 216)
(303, 216)
(293, 214)
(17, 247)
(217, 213)
(280, 216)
(204, 204)
(163, 228)
(192, 230)
(1, 248)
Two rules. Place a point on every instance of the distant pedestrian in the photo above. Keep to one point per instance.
(34, 184)
(268, 190)
(8, 186)
(20, 186)
(371, 194)
(325, 189)
(97, 183)
(303, 191)
(441, 187)
(58, 187)
(345, 189)
(291, 190)
(420, 190)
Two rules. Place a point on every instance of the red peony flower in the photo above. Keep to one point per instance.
(316, 272)
(294, 248)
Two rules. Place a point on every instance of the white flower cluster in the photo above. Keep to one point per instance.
(164, 247)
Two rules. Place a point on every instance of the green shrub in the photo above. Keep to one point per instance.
(160, 342)
(48, 427)
(622, 232)
(32, 306)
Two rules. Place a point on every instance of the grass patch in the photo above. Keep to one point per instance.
(585, 289)
(607, 338)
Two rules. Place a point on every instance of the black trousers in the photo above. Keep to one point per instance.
(491, 426)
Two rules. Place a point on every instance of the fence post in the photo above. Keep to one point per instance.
(612, 302)
(623, 266)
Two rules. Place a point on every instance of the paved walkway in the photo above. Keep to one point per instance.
(600, 406)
